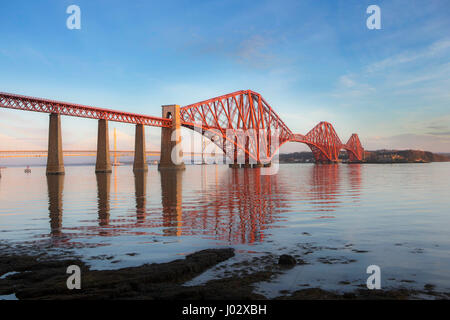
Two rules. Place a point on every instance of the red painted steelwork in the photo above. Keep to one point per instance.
(250, 119)
(14, 101)
(247, 110)
(354, 148)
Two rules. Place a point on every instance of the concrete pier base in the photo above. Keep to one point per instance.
(55, 162)
(171, 152)
(257, 165)
(235, 164)
(103, 164)
(224, 148)
(246, 155)
(140, 159)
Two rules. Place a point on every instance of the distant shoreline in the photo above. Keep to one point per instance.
(376, 157)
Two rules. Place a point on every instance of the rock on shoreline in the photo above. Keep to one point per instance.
(46, 279)
(42, 277)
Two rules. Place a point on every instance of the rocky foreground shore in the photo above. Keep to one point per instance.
(41, 276)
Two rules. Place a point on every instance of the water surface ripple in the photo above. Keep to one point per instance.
(395, 216)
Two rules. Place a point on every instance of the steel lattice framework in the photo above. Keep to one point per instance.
(231, 115)
(14, 101)
(323, 141)
(354, 148)
(241, 123)
(242, 118)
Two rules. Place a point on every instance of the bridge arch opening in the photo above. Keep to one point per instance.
(237, 146)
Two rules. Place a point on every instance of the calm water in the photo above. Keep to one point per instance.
(397, 214)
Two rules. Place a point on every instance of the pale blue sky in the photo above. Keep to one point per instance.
(311, 60)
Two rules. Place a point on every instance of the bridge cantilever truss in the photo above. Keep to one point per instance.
(247, 111)
(242, 119)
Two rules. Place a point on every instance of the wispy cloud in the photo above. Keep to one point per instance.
(435, 49)
(350, 87)
(256, 51)
(422, 73)
(440, 133)
(25, 53)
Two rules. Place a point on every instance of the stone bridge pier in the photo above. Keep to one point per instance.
(140, 158)
(171, 152)
(103, 164)
(55, 161)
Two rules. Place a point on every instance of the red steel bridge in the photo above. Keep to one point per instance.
(237, 112)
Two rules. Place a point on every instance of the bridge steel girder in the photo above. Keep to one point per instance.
(247, 110)
(354, 149)
(239, 111)
(230, 115)
(18, 102)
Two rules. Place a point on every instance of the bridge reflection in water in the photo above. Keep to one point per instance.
(103, 194)
(55, 186)
(171, 199)
(140, 187)
(235, 206)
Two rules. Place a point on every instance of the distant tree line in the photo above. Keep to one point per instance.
(378, 156)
